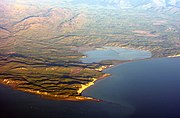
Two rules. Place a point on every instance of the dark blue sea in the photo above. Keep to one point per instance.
(150, 87)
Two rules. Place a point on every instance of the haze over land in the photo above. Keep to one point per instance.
(41, 42)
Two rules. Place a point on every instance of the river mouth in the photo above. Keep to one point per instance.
(114, 53)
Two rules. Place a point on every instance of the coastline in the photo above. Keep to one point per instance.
(173, 56)
(13, 85)
(114, 63)
(79, 97)
(102, 68)
(104, 65)
(83, 87)
(45, 95)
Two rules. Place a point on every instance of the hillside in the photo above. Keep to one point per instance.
(41, 44)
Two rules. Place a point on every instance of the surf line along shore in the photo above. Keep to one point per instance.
(85, 86)
(13, 84)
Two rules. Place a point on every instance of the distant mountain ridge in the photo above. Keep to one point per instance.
(156, 5)
(122, 3)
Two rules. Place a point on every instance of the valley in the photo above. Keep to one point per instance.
(41, 46)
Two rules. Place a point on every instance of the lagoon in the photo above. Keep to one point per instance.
(114, 53)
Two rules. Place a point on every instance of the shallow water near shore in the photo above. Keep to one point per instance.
(152, 87)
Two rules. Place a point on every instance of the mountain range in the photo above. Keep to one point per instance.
(121, 3)
(167, 6)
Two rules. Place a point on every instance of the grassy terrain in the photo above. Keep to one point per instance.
(158, 33)
(41, 48)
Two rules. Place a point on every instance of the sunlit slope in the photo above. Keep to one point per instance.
(41, 42)
(35, 56)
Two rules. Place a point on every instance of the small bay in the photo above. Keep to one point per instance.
(114, 53)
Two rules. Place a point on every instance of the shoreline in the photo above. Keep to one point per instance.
(113, 63)
(49, 96)
(105, 75)
(174, 56)
(85, 86)
(12, 84)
